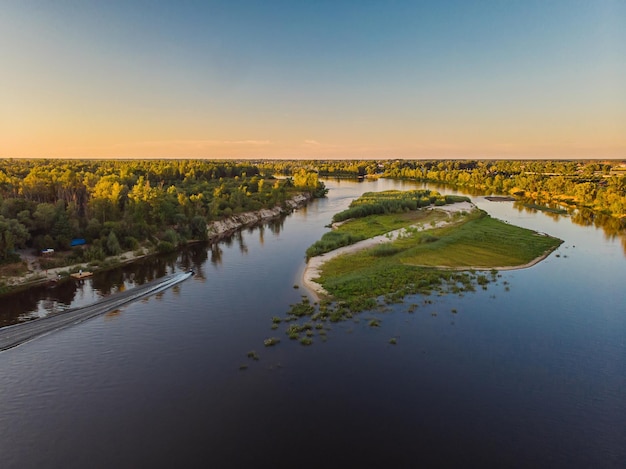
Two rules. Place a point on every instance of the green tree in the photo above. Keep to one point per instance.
(112, 245)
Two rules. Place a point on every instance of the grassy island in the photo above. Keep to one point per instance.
(423, 249)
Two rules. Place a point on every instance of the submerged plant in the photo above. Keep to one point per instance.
(374, 323)
(271, 341)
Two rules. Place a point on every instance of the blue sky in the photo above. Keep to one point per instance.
(455, 79)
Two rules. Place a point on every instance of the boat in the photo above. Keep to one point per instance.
(81, 275)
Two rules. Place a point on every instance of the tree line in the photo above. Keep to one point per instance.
(596, 187)
(117, 205)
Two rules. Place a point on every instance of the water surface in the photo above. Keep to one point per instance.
(525, 374)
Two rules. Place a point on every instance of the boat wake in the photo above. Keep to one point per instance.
(12, 336)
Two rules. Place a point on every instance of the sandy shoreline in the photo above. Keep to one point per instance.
(314, 265)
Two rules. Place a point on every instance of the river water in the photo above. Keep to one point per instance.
(530, 372)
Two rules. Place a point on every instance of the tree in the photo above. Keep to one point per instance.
(12, 235)
(112, 245)
(198, 228)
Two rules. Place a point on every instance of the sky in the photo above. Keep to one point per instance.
(316, 80)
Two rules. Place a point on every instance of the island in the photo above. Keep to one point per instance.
(394, 243)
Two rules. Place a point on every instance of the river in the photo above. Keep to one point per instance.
(530, 372)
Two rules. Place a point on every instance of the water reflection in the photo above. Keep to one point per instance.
(42, 300)
(241, 242)
(611, 226)
(112, 314)
(216, 254)
(276, 225)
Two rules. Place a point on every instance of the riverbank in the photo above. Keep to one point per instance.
(216, 231)
(223, 228)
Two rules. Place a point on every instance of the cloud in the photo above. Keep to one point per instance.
(312, 142)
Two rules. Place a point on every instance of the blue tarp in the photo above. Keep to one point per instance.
(77, 242)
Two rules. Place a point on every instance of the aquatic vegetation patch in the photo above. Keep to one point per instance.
(271, 341)
(304, 308)
(306, 341)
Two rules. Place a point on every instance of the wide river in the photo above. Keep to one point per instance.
(528, 373)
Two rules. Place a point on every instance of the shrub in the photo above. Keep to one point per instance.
(171, 237)
(271, 341)
(165, 246)
(386, 249)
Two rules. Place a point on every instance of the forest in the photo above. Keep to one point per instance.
(592, 191)
(117, 205)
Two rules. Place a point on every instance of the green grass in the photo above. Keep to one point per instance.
(358, 229)
(482, 242)
(375, 225)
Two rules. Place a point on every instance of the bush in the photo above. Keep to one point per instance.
(386, 249)
(93, 253)
(165, 246)
(171, 237)
(331, 241)
(131, 243)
